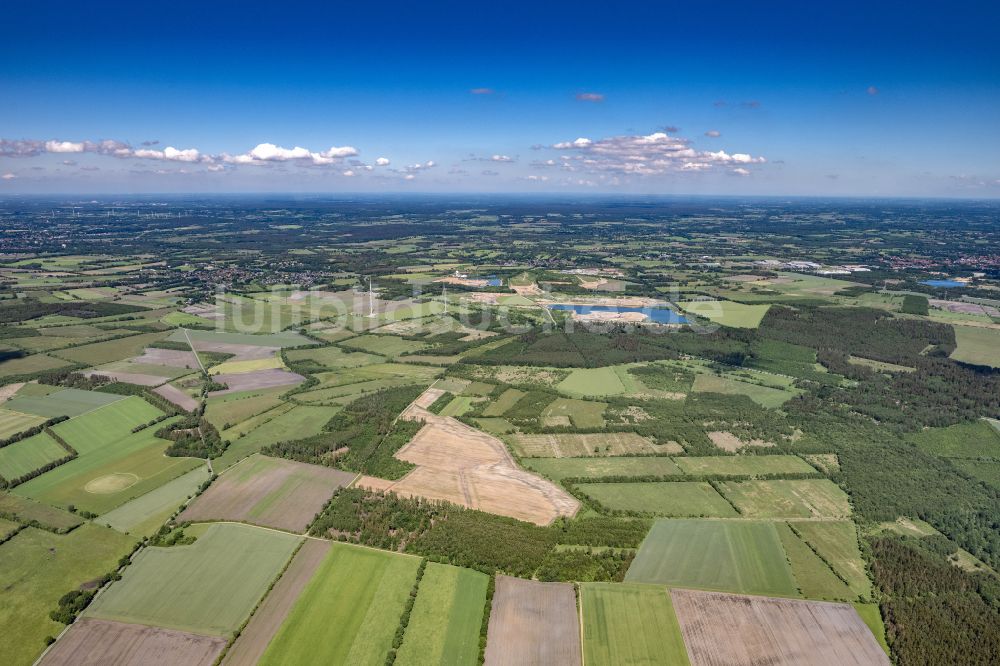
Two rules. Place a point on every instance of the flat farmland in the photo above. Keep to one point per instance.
(282, 339)
(815, 578)
(144, 514)
(837, 543)
(625, 623)
(587, 444)
(505, 401)
(726, 555)
(267, 491)
(744, 465)
(38, 567)
(267, 619)
(12, 422)
(92, 641)
(383, 345)
(100, 353)
(679, 498)
(334, 358)
(765, 396)
(257, 379)
(29, 454)
(458, 406)
(26, 510)
(353, 602)
(580, 413)
(112, 421)
(728, 313)
(233, 408)
(533, 623)
(460, 464)
(977, 439)
(31, 364)
(979, 346)
(803, 498)
(102, 479)
(209, 587)
(592, 382)
(64, 402)
(446, 618)
(561, 468)
(738, 630)
(298, 422)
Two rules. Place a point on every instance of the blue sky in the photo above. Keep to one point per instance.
(701, 98)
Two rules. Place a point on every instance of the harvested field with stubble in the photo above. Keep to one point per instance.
(256, 636)
(734, 630)
(272, 492)
(533, 623)
(92, 641)
(590, 444)
(460, 464)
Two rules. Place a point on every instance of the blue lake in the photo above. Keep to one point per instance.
(658, 315)
(494, 282)
(944, 283)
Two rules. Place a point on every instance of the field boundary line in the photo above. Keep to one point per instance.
(194, 351)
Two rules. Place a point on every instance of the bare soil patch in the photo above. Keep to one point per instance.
(533, 623)
(94, 642)
(173, 358)
(731, 630)
(253, 641)
(588, 444)
(460, 464)
(177, 396)
(258, 379)
(727, 441)
(271, 492)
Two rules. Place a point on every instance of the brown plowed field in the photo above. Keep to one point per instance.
(93, 642)
(257, 379)
(177, 396)
(460, 464)
(736, 630)
(533, 623)
(271, 492)
(253, 641)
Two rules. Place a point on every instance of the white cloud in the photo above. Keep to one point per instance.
(64, 147)
(714, 134)
(348, 173)
(501, 158)
(644, 155)
(382, 161)
(8, 176)
(409, 176)
(740, 171)
(590, 97)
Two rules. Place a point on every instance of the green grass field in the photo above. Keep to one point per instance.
(115, 465)
(803, 498)
(765, 396)
(816, 580)
(681, 499)
(30, 364)
(592, 382)
(299, 422)
(837, 543)
(28, 455)
(977, 439)
(12, 422)
(239, 367)
(725, 555)
(144, 515)
(987, 472)
(65, 402)
(744, 465)
(444, 624)
(581, 413)
(353, 602)
(282, 339)
(100, 353)
(383, 345)
(459, 405)
(630, 624)
(561, 468)
(980, 346)
(728, 313)
(234, 408)
(333, 357)
(872, 616)
(25, 510)
(506, 400)
(36, 569)
(209, 587)
(7, 528)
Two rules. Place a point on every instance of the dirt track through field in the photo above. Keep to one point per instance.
(93, 642)
(460, 464)
(533, 623)
(735, 630)
(257, 635)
